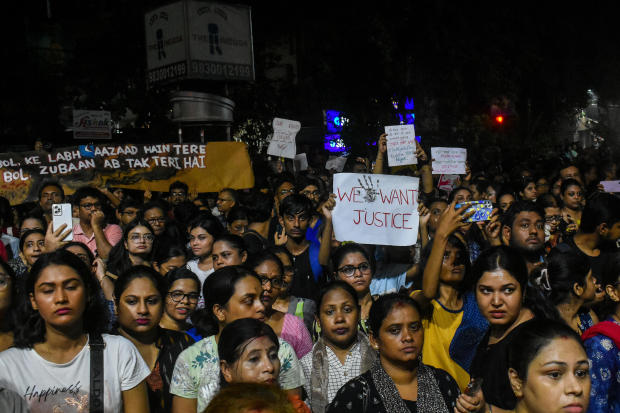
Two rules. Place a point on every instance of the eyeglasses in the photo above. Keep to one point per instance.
(313, 193)
(276, 282)
(286, 191)
(178, 194)
(552, 218)
(159, 220)
(349, 270)
(145, 237)
(90, 206)
(178, 296)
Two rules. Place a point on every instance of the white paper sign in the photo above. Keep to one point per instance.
(300, 162)
(376, 209)
(336, 162)
(611, 186)
(401, 145)
(283, 140)
(449, 161)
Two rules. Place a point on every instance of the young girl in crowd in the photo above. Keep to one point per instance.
(31, 246)
(571, 194)
(527, 189)
(602, 343)
(52, 355)
(500, 277)
(180, 301)
(230, 293)
(398, 381)
(248, 353)
(548, 369)
(269, 269)
(228, 249)
(453, 323)
(8, 303)
(135, 248)
(567, 284)
(169, 256)
(303, 308)
(139, 294)
(202, 233)
(342, 352)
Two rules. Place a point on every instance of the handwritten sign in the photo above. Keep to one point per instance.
(376, 209)
(300, 162)
(446, 182)
(401, 145)
(450, 161)
(611, 186)
(204, 168)
(336, 163)
(283, 140)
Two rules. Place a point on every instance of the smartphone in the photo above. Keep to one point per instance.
(474, 386)
(482, 210)
(61, 214)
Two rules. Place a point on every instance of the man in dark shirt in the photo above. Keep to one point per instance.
(260, 212)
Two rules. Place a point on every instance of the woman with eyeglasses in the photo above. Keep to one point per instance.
(139, 296)
(135, 249)
(269, 269)
(181, 301)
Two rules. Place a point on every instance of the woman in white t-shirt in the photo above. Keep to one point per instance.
(202, 232)
(49, 366)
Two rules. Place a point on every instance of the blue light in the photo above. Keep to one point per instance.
(334, 143)
(410, 117)
(334, 121)
(337, 121)
(408, 104)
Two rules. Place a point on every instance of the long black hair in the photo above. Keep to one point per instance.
(31, 326)
(7, 323)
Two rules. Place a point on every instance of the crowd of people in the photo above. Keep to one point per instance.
(245, 301)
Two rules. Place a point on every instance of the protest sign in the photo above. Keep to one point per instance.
(336, 162)
(283, 140)
(401, 145)
(450, 161)
(446, 182)
(376, 209)
(204, 168)
(611, 186)
(300, 162)
(91, 124)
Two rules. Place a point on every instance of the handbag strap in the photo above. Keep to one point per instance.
(96, 345)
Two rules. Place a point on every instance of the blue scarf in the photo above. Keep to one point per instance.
(469, 333)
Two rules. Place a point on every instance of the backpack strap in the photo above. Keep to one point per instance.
(96, 345)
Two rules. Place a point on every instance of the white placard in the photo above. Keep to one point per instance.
(283, 140)
(300, 162)
(611, 186)
(450, 161)
(401, 145)
(91, 124)
(376, 209)
(336, 162)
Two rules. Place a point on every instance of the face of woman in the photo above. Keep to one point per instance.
(31, 223)
(338, 317)
(491, 195)
(238, 226)
(224, 255)
(81, 254)
(558, 379)
(34, 246)
(200, 241)
(355, 270)
(453, 265)
(505, 202)
(287, 276)
(530, 193)
(182, 299)
(463, 195)
(400, 337)
(139, 241)
(499, 297)
(542, 186)
(259, 363)
(271, 280)
(59, 296)
(572, 197)
(5, 290)
(244, 303)
(172, 264)
(590, 287)
(140, 306)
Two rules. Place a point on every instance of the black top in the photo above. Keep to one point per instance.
(254, 242)
(491, 364)
(350, 396)
(597, 264)
(303, 284)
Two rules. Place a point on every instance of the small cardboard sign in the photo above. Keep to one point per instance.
(336, 162)
(283, 140)
(447, 182)
(401, 145)
(449, 161)
(300, 162)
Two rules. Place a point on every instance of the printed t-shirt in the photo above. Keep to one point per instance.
(192, 265)
(50, 387)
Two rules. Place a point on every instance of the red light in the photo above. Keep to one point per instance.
(499, 119)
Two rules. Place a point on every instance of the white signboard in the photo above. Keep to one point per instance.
(449, 161)
(336, 163)
(401, 145)
(91, 124)
(376, 209)
(220, 41)
(283, 139)
(300, 162)
(165, 43)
